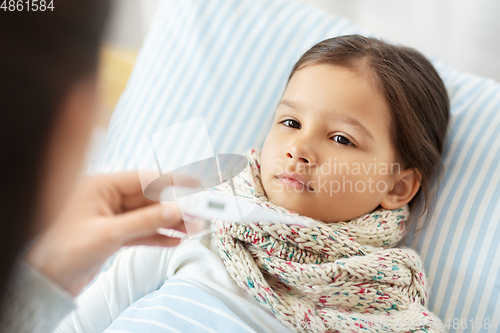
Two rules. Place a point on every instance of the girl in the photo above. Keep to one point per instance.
(355, 141)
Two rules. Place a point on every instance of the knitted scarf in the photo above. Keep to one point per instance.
(337, 277)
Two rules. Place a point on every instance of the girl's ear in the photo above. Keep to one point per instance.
(405, 188)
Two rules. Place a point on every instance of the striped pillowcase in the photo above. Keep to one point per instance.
(229, 60)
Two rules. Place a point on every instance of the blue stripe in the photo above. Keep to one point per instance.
(447, 177)
(495, 292)
(176, 117)
(154, 92)
(471, 219)
(488, 218)
(175, 107)
(159, 119)
(169, 60)
(458, 114)
(223, 82)
(181, 306)
(148, 60)
(123, 324)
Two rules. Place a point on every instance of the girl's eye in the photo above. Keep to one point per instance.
(291, 123)
(342, 140)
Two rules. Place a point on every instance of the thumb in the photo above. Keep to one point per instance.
(144, 222)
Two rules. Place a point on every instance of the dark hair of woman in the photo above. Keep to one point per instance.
(43, 55)
(415, 94)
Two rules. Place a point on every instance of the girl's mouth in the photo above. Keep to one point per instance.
(295, 182)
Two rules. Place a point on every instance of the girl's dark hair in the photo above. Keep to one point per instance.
(416, 96)
(43, 55)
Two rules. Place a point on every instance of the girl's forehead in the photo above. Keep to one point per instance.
(336, 89)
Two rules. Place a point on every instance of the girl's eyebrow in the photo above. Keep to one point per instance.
(334, 116)
(293, 105)
(354, 123)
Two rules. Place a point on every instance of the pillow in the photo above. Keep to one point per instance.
(229, 61)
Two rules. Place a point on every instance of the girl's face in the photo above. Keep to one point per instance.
(328, 154)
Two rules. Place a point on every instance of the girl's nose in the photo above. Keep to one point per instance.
(301, 153)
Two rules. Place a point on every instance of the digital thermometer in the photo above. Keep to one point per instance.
(209, 205)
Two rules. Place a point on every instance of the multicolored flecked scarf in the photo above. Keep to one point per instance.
(338, 277)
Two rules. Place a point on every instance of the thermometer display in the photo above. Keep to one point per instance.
(217, 205)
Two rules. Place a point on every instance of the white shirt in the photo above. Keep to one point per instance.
(141, 270)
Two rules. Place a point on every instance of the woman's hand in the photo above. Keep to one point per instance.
(104, 213)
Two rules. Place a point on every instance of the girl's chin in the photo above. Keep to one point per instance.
(290, 201)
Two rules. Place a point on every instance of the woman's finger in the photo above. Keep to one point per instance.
(144, 222)
(128, 183)
(136, 201)
(128, 187)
